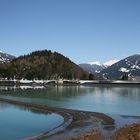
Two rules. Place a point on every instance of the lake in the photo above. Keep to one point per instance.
(121, 100)
(19, 122)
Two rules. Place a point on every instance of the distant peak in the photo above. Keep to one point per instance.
(1, 51)
(95, 63)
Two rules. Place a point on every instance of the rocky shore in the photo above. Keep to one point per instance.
(131, 132)
(95, 135)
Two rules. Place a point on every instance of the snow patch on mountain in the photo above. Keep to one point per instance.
(124, 69)
(135, 67)
(97, 71)
(110, 63)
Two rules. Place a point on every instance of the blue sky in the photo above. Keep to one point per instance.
(83, 30)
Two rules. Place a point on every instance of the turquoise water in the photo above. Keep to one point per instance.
(18, 122)
(113, 100)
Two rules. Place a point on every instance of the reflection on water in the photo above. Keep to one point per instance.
(112, 100)
(18, 122)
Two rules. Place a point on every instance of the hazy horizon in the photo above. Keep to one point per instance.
(83, 30)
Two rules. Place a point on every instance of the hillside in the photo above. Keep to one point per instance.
(129, 66)
(42, 65)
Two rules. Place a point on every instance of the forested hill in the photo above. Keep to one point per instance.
(42, 65)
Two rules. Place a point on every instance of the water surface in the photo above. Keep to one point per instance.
(108, 99)
(19, 122)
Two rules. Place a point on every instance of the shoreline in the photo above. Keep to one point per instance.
(46, 83)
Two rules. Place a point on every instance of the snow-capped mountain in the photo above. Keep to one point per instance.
(129, 66)
(96, 67)
(4, 57)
